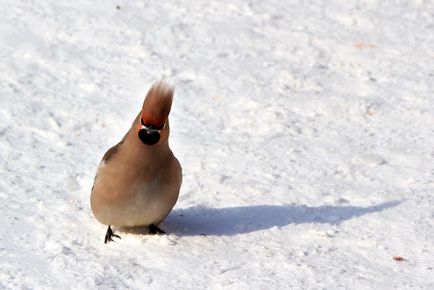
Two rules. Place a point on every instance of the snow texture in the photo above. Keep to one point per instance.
(305, 130)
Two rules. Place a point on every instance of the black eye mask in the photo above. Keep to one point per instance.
(149, 134)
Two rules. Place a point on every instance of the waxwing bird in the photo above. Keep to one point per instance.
(138, 180)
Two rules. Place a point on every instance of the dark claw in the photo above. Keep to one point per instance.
(154, 230)
(109, 235)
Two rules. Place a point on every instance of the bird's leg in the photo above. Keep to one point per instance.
(153, 230)
(109, 235)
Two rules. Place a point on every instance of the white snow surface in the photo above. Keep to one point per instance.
(305, 130)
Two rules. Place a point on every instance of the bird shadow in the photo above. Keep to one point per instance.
(231, 221)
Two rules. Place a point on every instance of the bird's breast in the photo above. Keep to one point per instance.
(126, 197)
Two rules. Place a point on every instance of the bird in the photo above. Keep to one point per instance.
(138, 180)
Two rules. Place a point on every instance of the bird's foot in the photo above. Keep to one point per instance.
(154, 230)
(109, 235)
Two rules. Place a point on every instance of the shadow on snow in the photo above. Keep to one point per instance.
(245, 219)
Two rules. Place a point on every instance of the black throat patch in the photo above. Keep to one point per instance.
(149, 134)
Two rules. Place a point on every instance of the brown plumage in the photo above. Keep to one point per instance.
(138, 180)
(157, 104)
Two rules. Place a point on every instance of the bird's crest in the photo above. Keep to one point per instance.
(157, 104)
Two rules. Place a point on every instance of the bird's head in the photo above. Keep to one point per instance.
(153, 124)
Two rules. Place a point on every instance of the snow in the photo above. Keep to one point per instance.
(304, 128)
